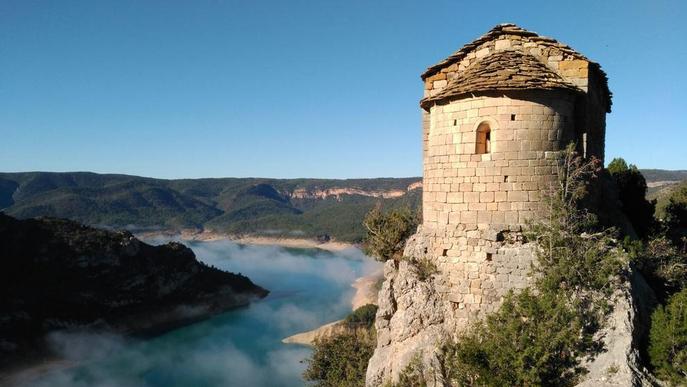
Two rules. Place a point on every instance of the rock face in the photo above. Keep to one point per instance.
(414, 318)
(619, 364)
(302, 193)
(59, 274)
(416, 314)
(410, 322)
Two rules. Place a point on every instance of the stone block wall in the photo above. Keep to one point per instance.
(474, 205)
(571, 67)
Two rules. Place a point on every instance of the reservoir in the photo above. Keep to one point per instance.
(241, 347)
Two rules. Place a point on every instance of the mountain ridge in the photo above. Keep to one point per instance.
(307, 208)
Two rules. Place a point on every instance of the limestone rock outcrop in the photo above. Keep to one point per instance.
(414, 318)
(417, 314)
(619, 363)
(410, 322)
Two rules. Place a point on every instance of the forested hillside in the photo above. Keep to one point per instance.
(240, 206)
(255, 206)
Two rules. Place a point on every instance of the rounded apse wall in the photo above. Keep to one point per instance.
(489, 157)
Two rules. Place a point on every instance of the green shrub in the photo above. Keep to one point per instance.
(387, 232)
(341, 360)
(632, 194)
(662, 264)
(413, 375)
(363, 317)
(574, 254)
(668, 340)
(425, 267)
(676, 209)
(676, 217)
(531, 340)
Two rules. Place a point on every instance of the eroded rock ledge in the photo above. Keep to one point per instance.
(415, 315)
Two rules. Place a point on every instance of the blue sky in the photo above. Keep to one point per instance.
(296, 88)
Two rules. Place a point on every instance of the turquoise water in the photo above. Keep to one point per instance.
(241, 347)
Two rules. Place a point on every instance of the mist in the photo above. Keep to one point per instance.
(239, 348)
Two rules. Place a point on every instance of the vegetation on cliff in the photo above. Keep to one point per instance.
(668, 338)
(388, 231)
(674, 211)
(60, 274)
(632, 191)
(341, 360)
(362, 317)
(662, 259)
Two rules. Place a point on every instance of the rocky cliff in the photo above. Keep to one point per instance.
(338, 192)
(59, 274)
(416, 315)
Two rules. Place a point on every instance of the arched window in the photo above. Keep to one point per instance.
(483, 139)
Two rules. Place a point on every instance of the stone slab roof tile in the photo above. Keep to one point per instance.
(502, 70)
(512, 29)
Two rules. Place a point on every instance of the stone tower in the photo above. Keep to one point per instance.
(494, 114)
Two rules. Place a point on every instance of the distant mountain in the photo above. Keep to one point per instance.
(255, 206)
(59, 274)
(661, 182)
(658, 175)
(240, 206)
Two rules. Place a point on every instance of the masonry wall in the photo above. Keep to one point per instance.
(475, 205)
(577, 71)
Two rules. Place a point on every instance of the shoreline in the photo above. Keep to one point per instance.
(29, 371)
(365, 293)
(210, 236)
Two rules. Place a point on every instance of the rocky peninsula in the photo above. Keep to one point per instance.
(59, 274)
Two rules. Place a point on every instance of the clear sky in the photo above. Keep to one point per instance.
(296, 88)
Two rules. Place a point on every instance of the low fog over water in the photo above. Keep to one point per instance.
(239, 348)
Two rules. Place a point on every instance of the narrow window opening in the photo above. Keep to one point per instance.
(455, 122)
(512, 117)
(489, 257)
(505, 179)
(445, 253)
(483, 139)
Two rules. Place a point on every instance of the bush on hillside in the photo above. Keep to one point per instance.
(632, 194)
(575, 255)
(341, 360)
(662, 264)
(668, 340)
(532, 340)
(363, 317)
(413, 375)
(676, 217)
(387, 232)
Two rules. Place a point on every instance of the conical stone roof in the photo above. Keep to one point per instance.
(512, 29)
(502, 70)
